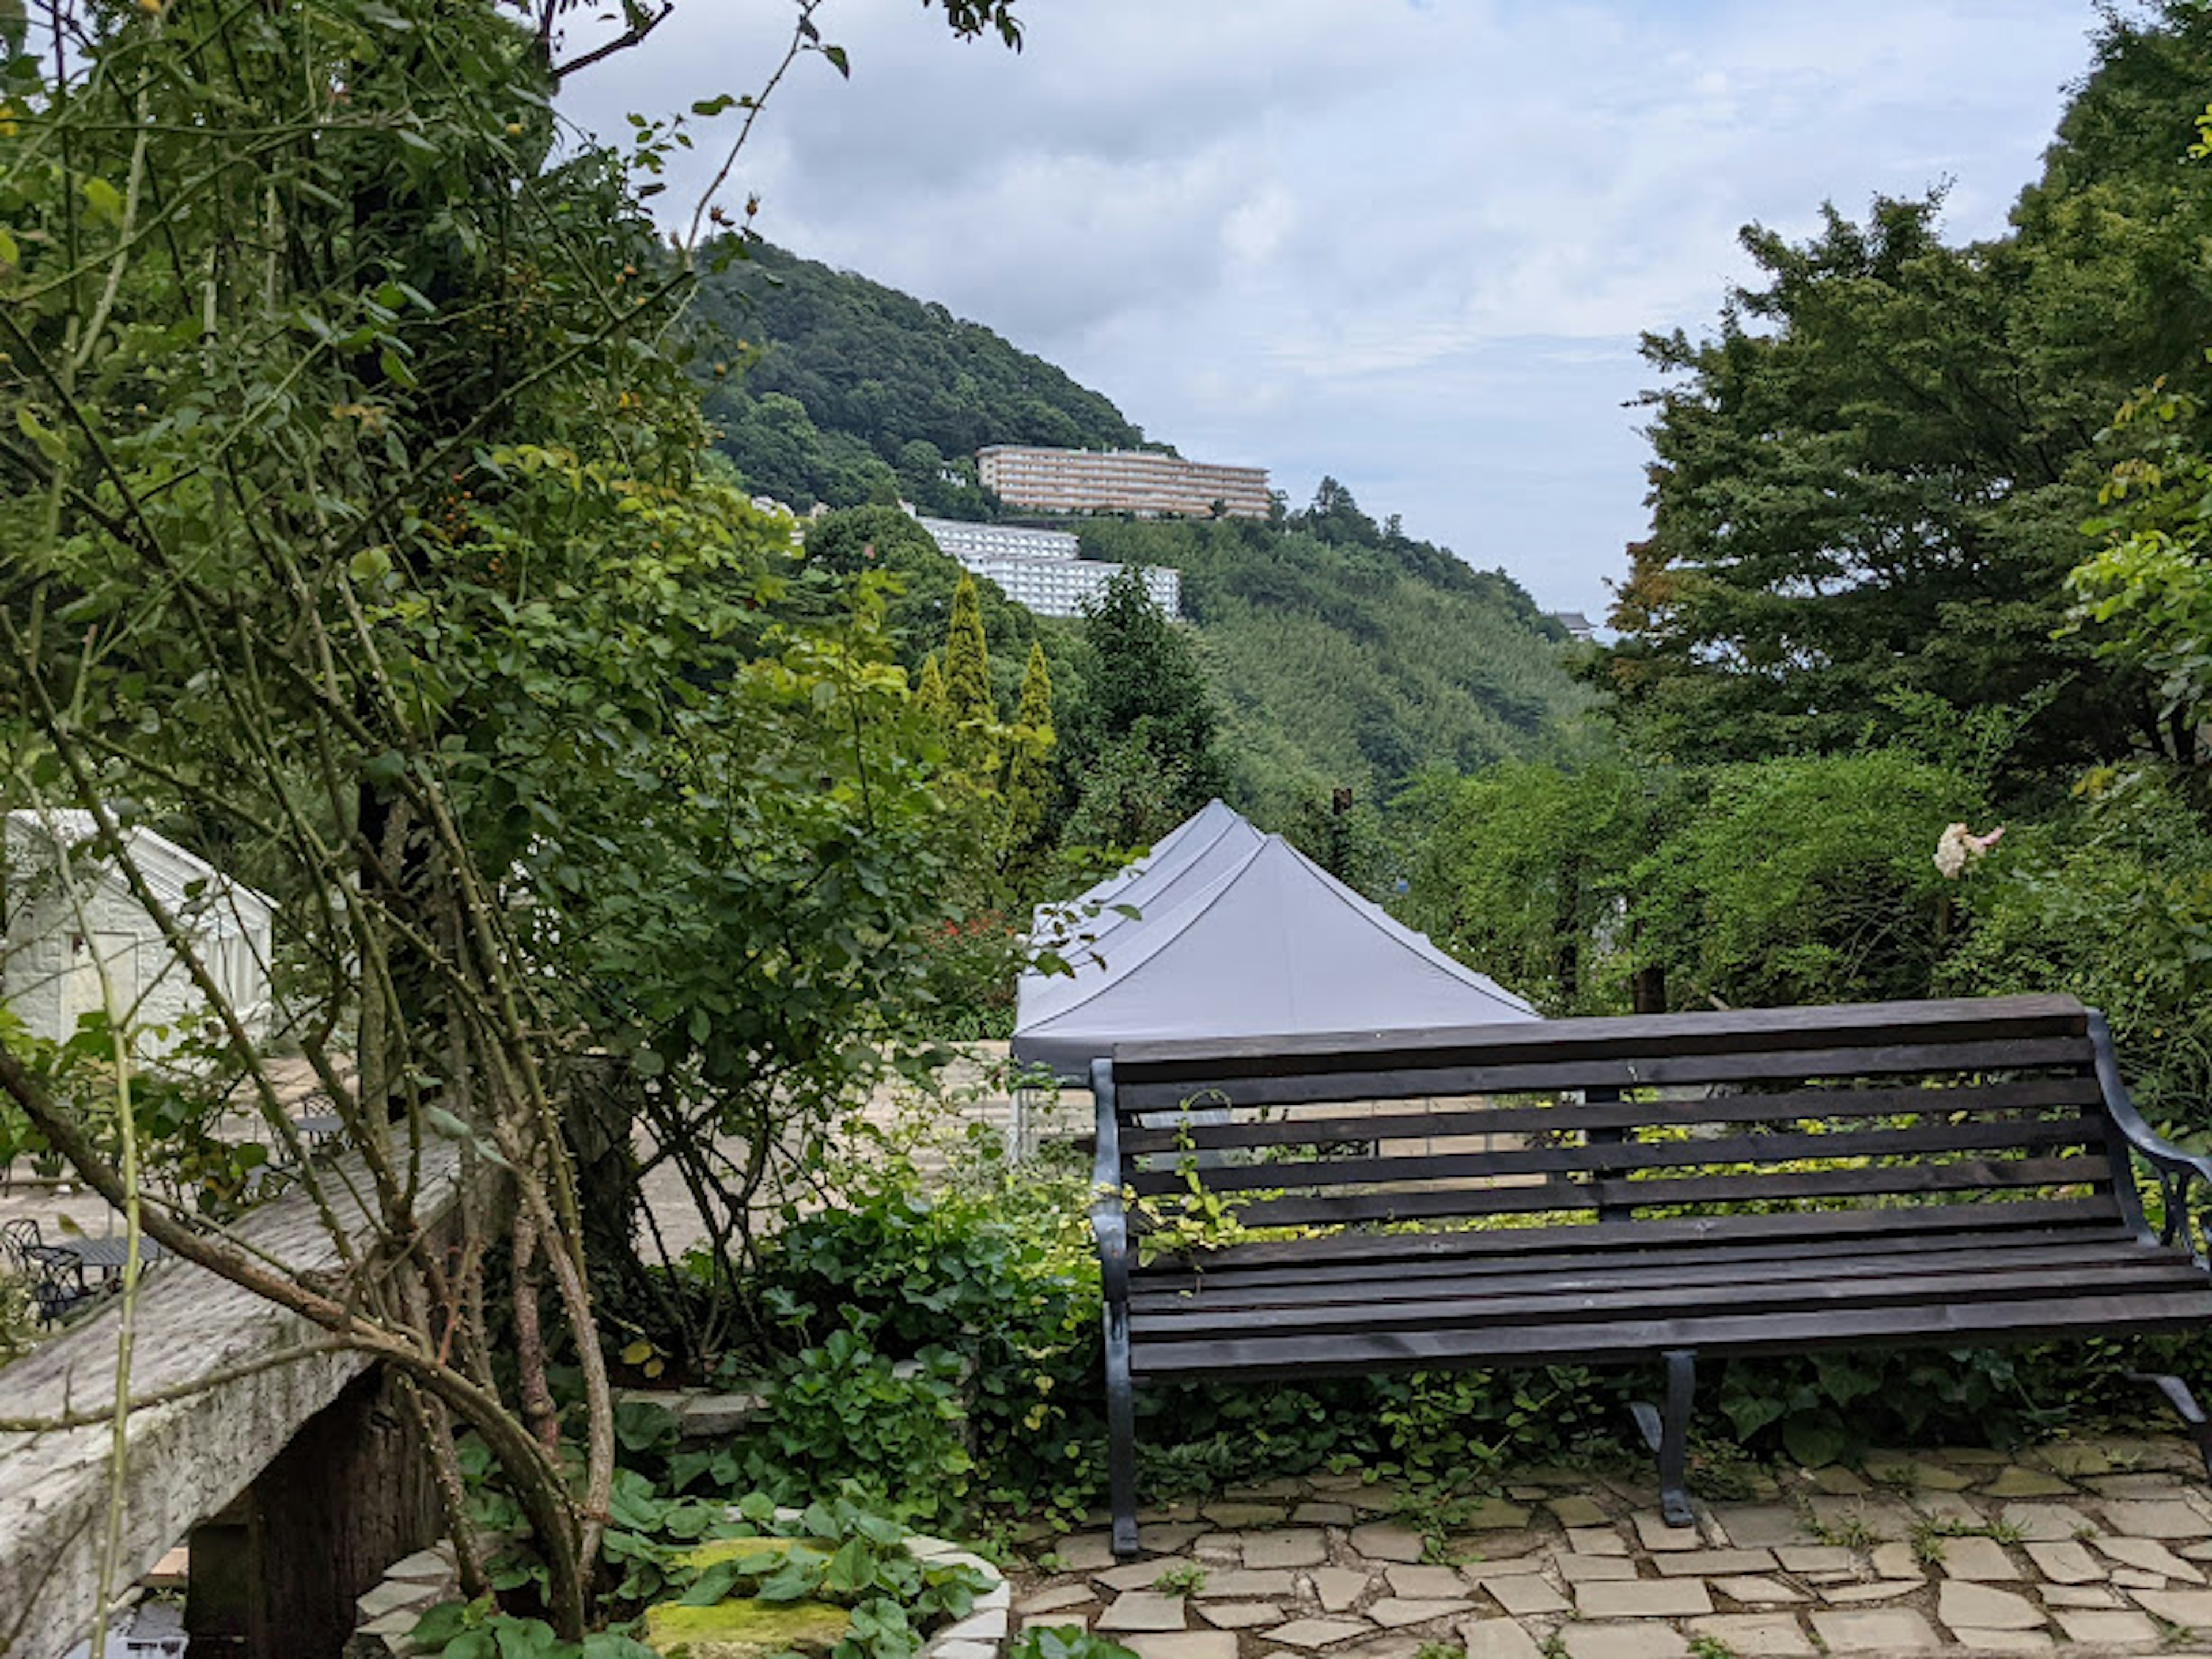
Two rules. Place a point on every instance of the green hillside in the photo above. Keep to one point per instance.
(850, 391)
(1343, 654)
(1355, 661)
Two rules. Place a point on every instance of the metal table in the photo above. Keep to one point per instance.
(104, 1256)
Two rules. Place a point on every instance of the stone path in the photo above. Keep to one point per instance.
(2089, 1546)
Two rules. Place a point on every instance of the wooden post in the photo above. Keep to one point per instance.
(348, 1496)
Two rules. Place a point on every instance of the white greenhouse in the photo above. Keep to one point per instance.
(54, 942)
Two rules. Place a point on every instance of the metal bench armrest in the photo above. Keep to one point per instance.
(2178, 1169)
(1108, 1225)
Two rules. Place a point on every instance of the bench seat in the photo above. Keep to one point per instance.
(1757, 1182)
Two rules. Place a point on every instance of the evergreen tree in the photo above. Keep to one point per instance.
(929, 693)
(1146, 693)
(1029, 773)
(971, 713)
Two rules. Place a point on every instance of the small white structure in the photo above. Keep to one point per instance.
(54, 943)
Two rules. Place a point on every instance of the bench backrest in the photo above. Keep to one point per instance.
(1869, 1104)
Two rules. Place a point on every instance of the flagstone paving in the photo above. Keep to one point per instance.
(2092, 1546)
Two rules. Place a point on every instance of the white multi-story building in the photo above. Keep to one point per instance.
(963, 541)
(1039, 568)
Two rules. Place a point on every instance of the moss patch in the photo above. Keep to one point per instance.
(745, 1630)
(740, 1549)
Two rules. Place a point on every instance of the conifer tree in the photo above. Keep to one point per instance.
(971, 713)
(1029, 773)
(929, 691)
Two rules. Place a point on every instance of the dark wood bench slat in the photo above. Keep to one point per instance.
(1963, 1174)
(1736, 1030)
(1660, 1298)
(1302, 1174)
(1808, 1228)
(1723, 1334)
(2019, 1094)
(1174, 1275)
(1635, 1071)
(1361, 1284)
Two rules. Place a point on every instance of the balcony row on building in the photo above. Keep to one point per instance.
(1039, 568)
(1135, 481)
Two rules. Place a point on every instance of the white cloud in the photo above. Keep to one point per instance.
(1411, 246)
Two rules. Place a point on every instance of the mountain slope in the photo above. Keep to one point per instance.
(859, 391)
(1344, 653)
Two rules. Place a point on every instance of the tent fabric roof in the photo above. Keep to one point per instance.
(1246, 937)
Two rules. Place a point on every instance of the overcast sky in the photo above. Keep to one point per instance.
(1410, 245)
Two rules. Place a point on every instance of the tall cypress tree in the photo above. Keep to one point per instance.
(1029, 773)
(929, 692)
(969, 712)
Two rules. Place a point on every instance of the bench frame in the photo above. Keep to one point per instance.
(2178, 1173)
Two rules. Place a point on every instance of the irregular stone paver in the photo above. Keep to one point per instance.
(1880, 1517)
(1240, 1615)
(1883, 1590)
(1143, 1610)
(1815, 1558)
(1425, 1582)
(1961, 1512)
(2151, 1556)
(1896, 1561)
(1642, 1598)
(2105, 1629)
(1052, 1600)
(1757, 1592)
(2046, 1523)
(1976, 1607)
(1498, 1638)
(2071, 1457)
(1393, 1612)
(1525, 1596)
(1981, 1559)
(1889, 1630)
(2065, 1563)
(1513, 1567)
(1597, 1541)
(1595, 1569)
(1658, 1536)
(2017, 1482)
(2193, 1607)
(1749, 1525)
(2080, 1595)
(1227, 1547)
(2167, 1517)
(1318, 1632)
(1247, 1584)
(1682, 1563)
(1167, 1537)
(1085, 1551)
(1236, 1516)
(1575, 1510)
(1293, 1546)
(2137, 1485)
(2136, 1579)
(1340, 1587)
(1623, 1642)
(1318, 1514)
(2004, 1641)
(1496, 1515)
(1836, 1480)
(1136, 1574)
(1384, 1540)
(1754, 1633)
(1184, 1644)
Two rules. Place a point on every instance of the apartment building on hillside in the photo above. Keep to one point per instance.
(1039, 568)
(1120, 480)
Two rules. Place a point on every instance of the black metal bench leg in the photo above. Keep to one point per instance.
(1121, 1432)
(2184, 1404)
(1669, 1436)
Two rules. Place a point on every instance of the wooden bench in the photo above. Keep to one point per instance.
(1587, 1191)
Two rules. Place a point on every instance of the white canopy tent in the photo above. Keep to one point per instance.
(1239, 934)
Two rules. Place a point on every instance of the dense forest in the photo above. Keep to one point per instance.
(828, 387)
